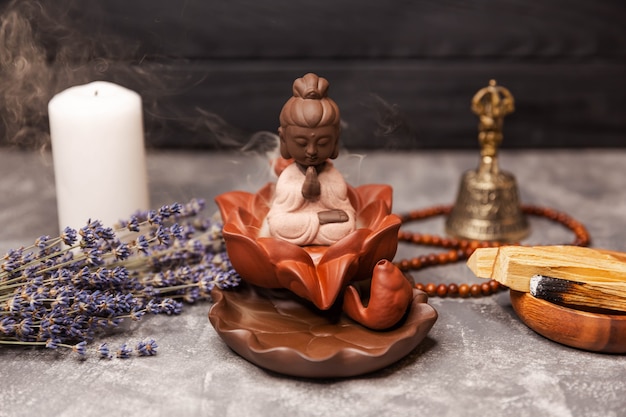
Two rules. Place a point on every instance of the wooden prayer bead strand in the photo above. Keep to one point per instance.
(461, 249)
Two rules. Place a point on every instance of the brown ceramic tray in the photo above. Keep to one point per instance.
(593, 331)
(275, 331)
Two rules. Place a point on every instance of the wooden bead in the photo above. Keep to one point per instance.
(453, 290)
(475, 290)
(442, 290)
(431, 289)
(404, 265)
(442, 258)
(416, 263)
(464, 290)
(495, 286)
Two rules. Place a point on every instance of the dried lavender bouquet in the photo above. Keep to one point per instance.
(64, 292)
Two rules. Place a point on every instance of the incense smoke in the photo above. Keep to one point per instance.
(392, 126)
(40, 55)
(48, 46)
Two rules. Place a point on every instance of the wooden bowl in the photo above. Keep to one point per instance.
(593, 331)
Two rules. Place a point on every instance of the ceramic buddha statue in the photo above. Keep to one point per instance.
(310, 205)
(312, 233)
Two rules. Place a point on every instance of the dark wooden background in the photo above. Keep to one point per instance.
(212, 73)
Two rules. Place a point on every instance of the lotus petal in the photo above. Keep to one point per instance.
(316, 273)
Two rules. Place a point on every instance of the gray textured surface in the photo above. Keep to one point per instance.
(478, 360)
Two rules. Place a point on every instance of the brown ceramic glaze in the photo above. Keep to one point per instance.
(311, 205)
(593, 331)
(276, 331)
(316, 273)
(389, 295)
(312, 233)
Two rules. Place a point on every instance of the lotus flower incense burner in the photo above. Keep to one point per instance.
(316, 236)
(386, 318)
(318, 273)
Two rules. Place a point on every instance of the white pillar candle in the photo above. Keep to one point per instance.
(98, 153)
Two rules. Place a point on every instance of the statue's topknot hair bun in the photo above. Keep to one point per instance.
(310, 105)
(310, 86)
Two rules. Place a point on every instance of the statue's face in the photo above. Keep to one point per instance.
(310, 145)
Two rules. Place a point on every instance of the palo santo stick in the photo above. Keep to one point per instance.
(481, 262)
(605, 295)
(513, 266)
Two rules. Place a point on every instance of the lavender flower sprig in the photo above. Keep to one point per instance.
(67, 290)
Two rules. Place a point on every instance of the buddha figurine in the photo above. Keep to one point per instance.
(301, 232)
(310, 205)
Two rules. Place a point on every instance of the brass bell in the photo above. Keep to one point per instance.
(487, 205)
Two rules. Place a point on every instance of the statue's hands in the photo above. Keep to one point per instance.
(311, 187)
(332, 216)
(311, 191)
